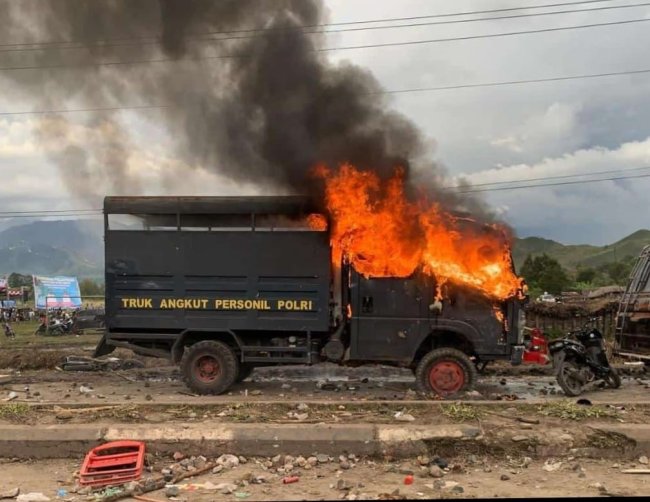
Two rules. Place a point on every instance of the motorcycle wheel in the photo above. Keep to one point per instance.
(613, 379)
(566, 379)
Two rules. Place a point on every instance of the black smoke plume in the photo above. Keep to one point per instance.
(247, 92)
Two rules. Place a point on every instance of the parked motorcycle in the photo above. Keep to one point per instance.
(580, 359)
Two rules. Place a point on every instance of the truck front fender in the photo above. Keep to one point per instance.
(449, 333)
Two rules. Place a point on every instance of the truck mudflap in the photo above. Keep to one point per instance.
(517, 355)
(103, 348)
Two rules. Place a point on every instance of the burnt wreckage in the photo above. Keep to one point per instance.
(220, 285)
(632, 334)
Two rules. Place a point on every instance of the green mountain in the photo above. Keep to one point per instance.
(53, 248)
(570, 256)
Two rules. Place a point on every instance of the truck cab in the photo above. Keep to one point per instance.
(220, 285)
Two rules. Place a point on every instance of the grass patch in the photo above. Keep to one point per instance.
(25, 337)
(14, 411)
(568, 410)
(460, 412)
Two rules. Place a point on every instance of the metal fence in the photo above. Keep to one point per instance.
(548, 324)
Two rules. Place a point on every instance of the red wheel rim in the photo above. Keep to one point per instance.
(207, 369)
(446, 377)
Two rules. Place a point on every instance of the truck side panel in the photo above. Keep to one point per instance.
(221, 280)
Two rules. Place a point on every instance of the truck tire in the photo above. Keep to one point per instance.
(445, 372)
(209, 367)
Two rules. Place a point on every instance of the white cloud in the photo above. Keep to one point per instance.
(588, 212)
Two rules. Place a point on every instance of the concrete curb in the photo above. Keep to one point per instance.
(374, 440)
(62, 441)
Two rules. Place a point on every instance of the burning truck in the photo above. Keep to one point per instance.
(221, 285)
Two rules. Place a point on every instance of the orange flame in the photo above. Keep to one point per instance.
(317, 222)
(384, 234)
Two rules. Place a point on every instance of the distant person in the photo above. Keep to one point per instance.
(9, 333)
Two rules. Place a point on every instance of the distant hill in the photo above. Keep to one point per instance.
(72, 247)
(570, 256)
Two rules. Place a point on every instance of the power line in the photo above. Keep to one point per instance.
(345, 23)
(516, 82)
(365, 28)
(98, 212)
(476, 37)
(47, 215)
(44, 211)
(560, 183)
(99, 109)
(546, 178)
(393, 91)
(331, 49)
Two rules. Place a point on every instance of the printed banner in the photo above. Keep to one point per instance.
(56, 292)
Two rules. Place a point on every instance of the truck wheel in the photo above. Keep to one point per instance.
(445, 372)
(209, 367)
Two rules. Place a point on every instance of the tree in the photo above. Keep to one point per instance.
(17, 280)
(618, 271)
(586, 274)
(88, 287)
(545, 273)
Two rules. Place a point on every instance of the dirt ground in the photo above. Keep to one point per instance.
(163, 385)
(479, 477)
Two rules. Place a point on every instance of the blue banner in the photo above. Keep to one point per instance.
(56, 292)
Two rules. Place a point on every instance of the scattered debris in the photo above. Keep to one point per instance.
(12, 395)
(67, 413)
(290, 479)
(322, 385)
(81, 363)
(440, 462)
(436, 472)
(32, 497)
(403, 417)
(10, 494)
(550, 466)
(343, 485)
(322, 458)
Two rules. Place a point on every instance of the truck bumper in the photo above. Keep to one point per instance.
(517, 355)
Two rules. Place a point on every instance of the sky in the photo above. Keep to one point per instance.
(482, 135)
